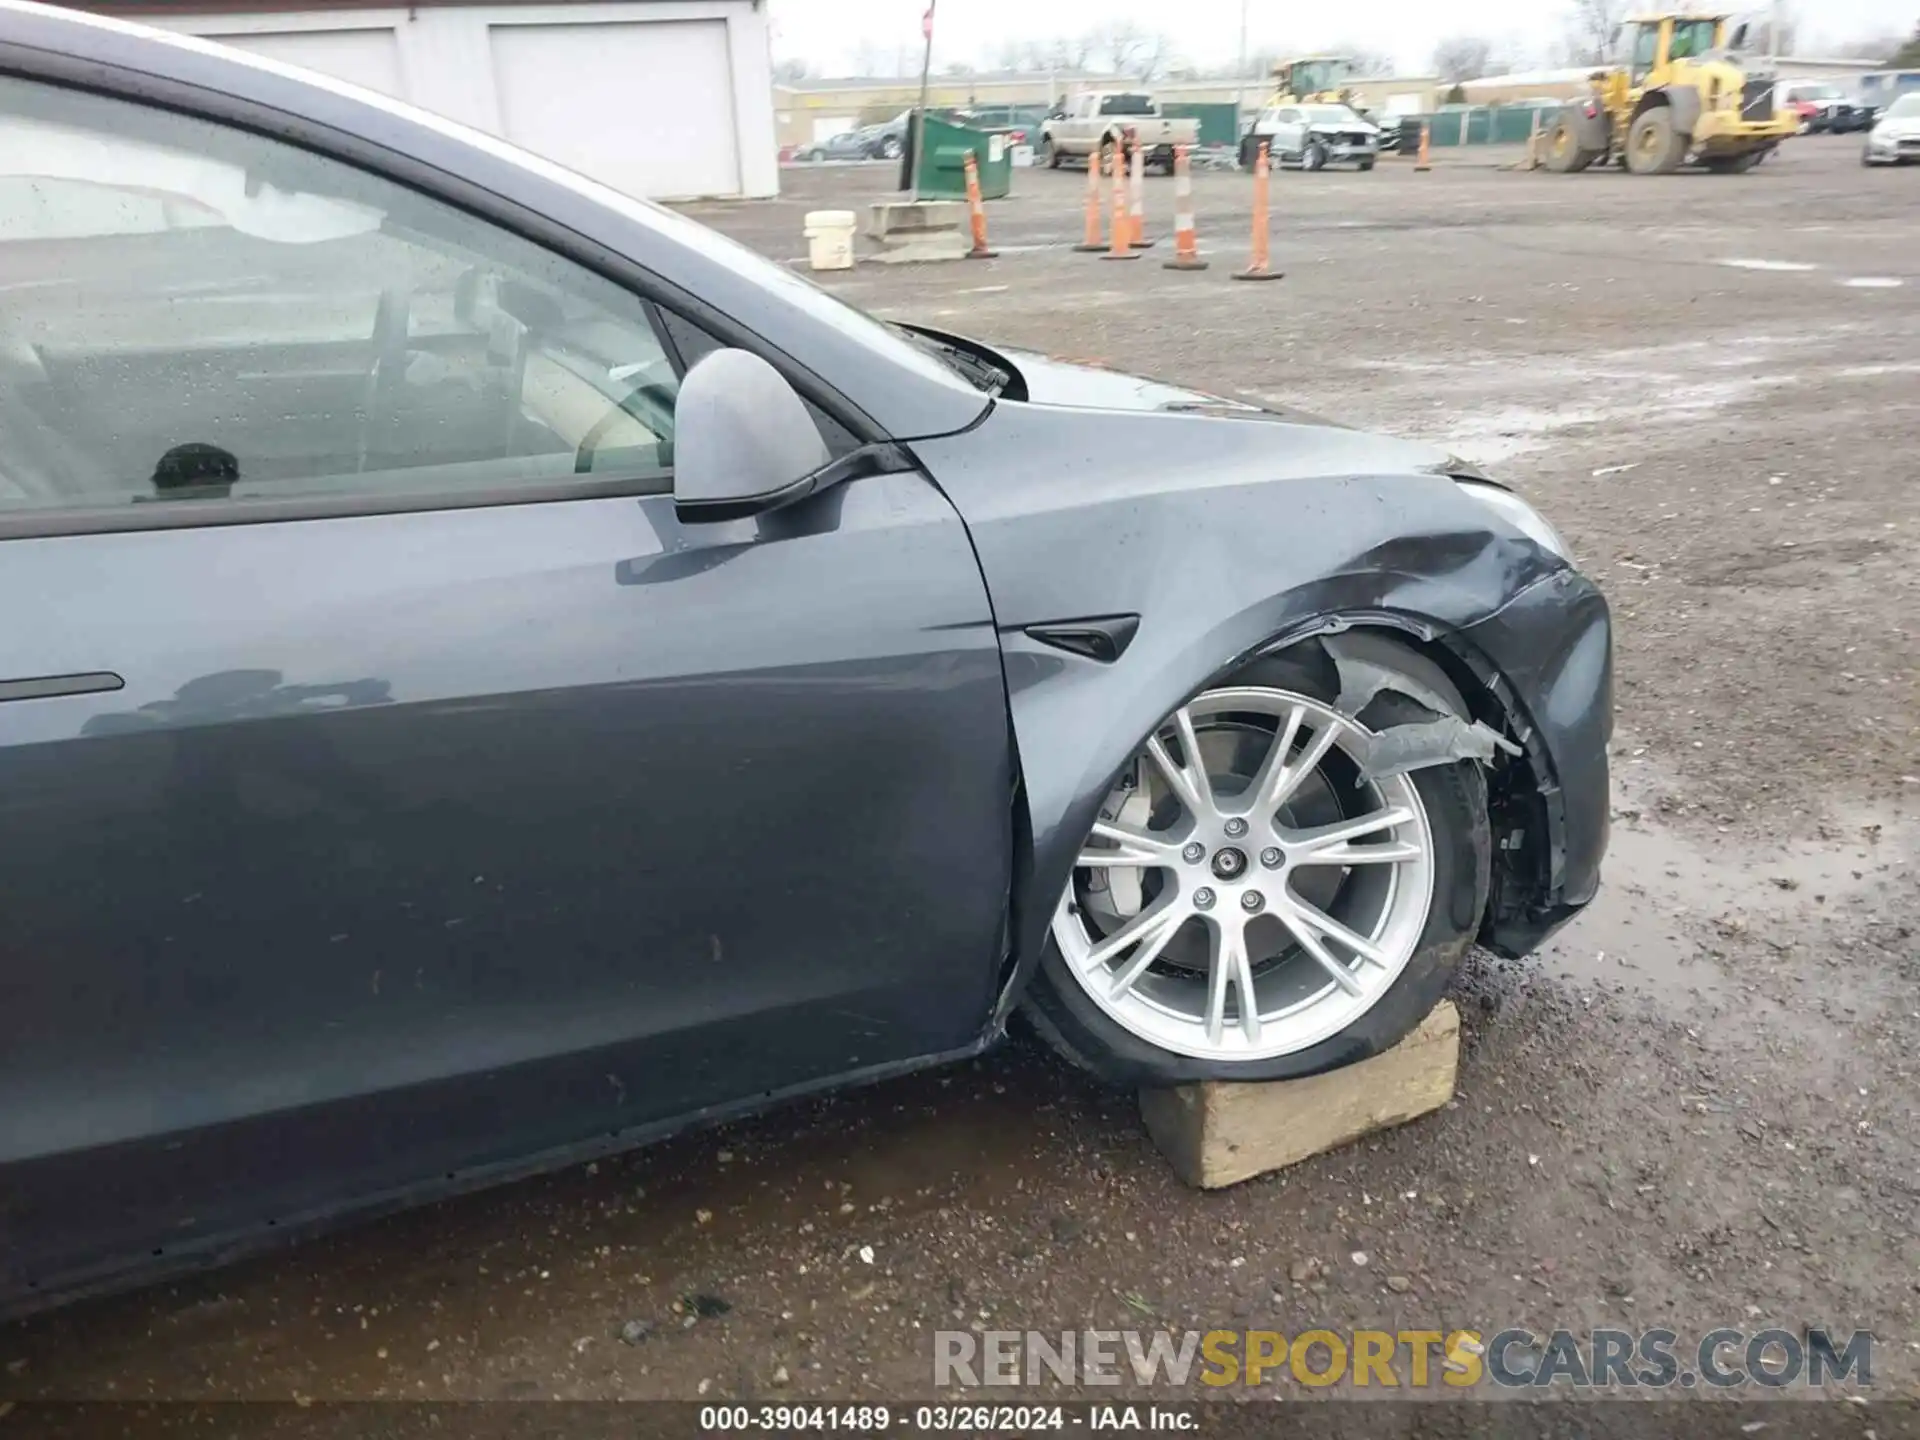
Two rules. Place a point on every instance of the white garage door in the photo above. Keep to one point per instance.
(370, 58)
(646, 106)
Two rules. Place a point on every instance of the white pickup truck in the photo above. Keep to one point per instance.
(1087, 124)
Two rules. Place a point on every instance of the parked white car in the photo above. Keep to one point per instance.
(1312, 137)
(1895, 139)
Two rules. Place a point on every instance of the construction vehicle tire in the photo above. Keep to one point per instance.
(1654, 146)
(1564, 155)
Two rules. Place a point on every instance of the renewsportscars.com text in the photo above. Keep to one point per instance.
(1513, 1358)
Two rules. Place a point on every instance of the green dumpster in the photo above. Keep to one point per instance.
(943, 176)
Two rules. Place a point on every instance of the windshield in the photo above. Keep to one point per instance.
(1907, 107)
(1692, 38)
(1329, 114)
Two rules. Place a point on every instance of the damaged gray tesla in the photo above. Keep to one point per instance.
(495, 672)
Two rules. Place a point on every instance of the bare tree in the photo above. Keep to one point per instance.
(1590, 28)
(1762, 41)
(1368, 63)
(1878, 48)
(866, 59)
(1074, 53)
(1154, 56)
(788, 72)
(1120, 44)
(1463, 57)
(1909, 53)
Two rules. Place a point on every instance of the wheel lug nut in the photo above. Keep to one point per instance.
(1236, 827)
(1194, 853)
(1253, 901)
(1203, 898)
(1271, 858)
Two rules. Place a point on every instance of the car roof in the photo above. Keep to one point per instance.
(711, 276)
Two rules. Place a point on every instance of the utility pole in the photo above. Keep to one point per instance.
(918, 132)
(1240, 95)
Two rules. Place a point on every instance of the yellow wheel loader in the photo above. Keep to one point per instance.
(1676, 90)
(1312, 80)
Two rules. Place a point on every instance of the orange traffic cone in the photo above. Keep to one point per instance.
(1186, 240)
(1138, 216)
(977, 212)
(1257, 264)
(1122, 222)
(1092, 241)
(1425, 160)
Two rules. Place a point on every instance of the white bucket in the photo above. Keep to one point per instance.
(830, 239)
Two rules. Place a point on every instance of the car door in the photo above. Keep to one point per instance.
(1289, 132)
(392, 788)
(1087, 124)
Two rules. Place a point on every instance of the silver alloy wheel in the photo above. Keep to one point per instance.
(1245, 894)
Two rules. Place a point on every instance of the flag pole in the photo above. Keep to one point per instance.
(920, 115)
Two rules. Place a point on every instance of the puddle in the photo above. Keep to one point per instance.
(1775, 265)
(1872, 282)
(1492, 436)
(1502, 434)
(1669, 898)
(1870, 372)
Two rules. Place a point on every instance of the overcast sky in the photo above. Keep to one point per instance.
(826, 34)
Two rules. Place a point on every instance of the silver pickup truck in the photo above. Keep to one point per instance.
(1087, 124)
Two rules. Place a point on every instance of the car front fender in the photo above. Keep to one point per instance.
(1224, 538)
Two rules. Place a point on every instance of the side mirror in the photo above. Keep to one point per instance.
(743, 442)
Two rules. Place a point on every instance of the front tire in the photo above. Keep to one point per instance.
(890, 148)
(1314, 157)
(1049, 153)
(1654, 145)
(1161, 970)
(1564, 155)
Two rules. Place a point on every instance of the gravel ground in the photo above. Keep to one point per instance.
(1696, 1109)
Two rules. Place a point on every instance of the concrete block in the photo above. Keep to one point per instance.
(888, 218)
(930, 245)
(1218, 1134)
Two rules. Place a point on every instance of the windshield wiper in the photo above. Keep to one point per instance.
(980, 373)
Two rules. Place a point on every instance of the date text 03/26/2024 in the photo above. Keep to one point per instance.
(962, 1418)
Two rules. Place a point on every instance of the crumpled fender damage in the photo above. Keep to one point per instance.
(1230, 540)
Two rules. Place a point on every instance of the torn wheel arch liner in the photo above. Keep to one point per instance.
(1536, 888)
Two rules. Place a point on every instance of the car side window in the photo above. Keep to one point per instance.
(196, 312)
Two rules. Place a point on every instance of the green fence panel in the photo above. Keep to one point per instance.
(1219, 124)
(1486, 125)
(1513, 124)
